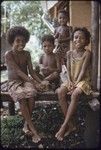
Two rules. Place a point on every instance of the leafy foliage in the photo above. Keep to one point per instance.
(26, 13)
(11, 130)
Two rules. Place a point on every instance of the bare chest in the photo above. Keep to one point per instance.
(49, 61)
(20, 59)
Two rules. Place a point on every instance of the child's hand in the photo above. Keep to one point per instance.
(70, 92)
(36, 85)
(44, 85)
(45, 82)
(71, 86)
(75, 84)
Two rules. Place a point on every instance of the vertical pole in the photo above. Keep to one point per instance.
(94, 41)
(11, 106)
(92, 123)
(55, 12)
(70, 16)
(5, 23)
(99, 53)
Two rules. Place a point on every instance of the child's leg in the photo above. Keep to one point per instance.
(71, 109)
(31, 105)
(26, 114)
(62, 91)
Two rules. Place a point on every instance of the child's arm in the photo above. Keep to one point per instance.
(56, 34)
(84, 66)
(68, 65)
(31, 71)
(52, 76)
(70, 83)
(10, 62)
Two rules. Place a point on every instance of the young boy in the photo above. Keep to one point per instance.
(62, 36)
(21, 87)
(79, 79)
(49, 64)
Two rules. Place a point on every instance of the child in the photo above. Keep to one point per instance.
(49, 64)
(21, 87)
(62, 36)
(78, 67)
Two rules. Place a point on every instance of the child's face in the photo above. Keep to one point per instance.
(48, 47)
(79, 40)
(19, 43)
(62, 19)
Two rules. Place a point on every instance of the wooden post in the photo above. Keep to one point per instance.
(55, 12)
(94, 41)
(11, 106)
(92, 122)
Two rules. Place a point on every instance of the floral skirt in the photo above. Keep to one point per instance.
(21, 90)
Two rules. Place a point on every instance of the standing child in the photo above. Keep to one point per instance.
(62, 36)
(78, 67)
(20, 85)
(49, 64)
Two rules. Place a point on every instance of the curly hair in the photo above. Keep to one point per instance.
(17, 31)
(85, 31)
(48, 37)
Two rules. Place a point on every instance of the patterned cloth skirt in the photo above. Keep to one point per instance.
(83, 85)
(21, 90)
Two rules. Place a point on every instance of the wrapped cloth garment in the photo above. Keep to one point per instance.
(21, 90)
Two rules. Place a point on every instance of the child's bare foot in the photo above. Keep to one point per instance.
(63, 132)
(26, 129)
(36, 138)
(60, 134)
(71, 129)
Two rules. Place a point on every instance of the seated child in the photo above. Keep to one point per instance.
(21, 87)
(79, 79)
(49, 64)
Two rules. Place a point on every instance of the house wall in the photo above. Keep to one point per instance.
(80, 14)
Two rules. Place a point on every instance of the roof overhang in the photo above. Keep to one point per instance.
(47, 5)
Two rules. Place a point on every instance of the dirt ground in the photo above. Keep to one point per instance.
(48, 119)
